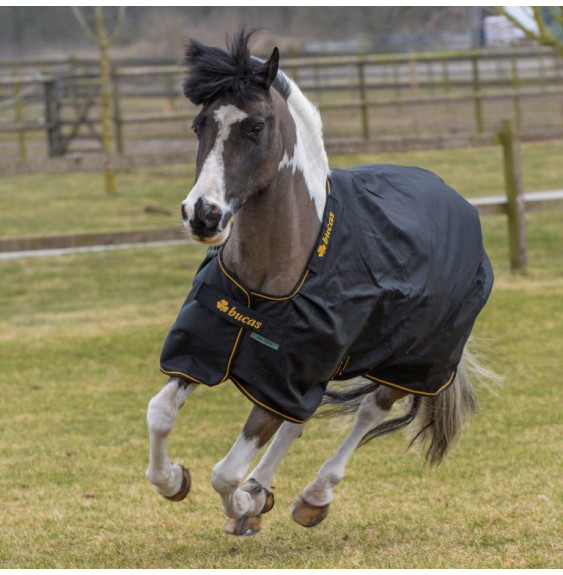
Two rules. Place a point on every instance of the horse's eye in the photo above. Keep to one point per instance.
(196, 125)
(256, 130)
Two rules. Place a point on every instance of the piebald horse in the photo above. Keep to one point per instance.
(263, 203)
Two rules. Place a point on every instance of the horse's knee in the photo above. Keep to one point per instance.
(163, 407)
(161, 415)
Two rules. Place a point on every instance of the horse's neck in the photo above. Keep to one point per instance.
(273, 236)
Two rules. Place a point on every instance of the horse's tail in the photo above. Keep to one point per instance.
(439, 419)
(435, 421)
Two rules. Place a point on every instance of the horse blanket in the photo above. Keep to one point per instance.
(391, 292)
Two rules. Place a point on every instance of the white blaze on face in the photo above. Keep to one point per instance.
(210, 185)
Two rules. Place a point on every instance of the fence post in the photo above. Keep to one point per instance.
(430, 73)
(19, 118)
(396, 81)
(515, 205)
(52, 121)
(415, 94)
(117, 120)
(477, 93)
(363, 99)
(446, 82)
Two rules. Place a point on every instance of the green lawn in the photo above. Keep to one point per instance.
(80, 337)
(45, 204)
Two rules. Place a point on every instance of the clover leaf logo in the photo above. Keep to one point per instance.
(223, 305)
(321, 250)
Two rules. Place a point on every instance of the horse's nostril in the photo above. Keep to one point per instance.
(207, 214)
(206, 217)
(184, 214)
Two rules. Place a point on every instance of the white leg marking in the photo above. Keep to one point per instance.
(286, 435)
(229, 473)
(161, 414)
(319, 491)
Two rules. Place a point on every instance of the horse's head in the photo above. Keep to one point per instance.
(240, 131)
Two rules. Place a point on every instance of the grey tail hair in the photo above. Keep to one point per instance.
(434, 421)
(440, 418)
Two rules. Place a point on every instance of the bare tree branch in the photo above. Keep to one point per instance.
(104, 40)
(556, 12)
(544, 33)
(118, 25)
(83, 24)
(542, 36)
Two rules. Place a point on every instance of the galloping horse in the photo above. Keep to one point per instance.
(372, 276)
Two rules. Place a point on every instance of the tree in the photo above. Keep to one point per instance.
(547, 28)
(104, 41)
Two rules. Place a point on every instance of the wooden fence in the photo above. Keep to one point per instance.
(362, 97)
(514, 203)
(475, 90)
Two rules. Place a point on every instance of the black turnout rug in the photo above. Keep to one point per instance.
(391, 292)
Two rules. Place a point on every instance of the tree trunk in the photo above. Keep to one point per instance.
(106, 101)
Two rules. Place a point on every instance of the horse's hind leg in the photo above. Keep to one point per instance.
(286, 435)
(171, 480)
(313, 504)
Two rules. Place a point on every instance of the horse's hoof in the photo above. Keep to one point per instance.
(243, 526)
(185, 489)
(252, 486)
(308, 515)
(270, 500)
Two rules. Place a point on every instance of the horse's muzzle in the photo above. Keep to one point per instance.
(206, 221)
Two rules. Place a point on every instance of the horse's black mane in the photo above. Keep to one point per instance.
(213, 72)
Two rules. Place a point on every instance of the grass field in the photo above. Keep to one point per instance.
(49, 205)
(80, 337)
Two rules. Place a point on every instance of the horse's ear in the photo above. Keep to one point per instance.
(268, 71)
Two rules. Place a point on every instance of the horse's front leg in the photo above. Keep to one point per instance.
(171, 480)
(261, 477)
(242, 504)
(263, 473)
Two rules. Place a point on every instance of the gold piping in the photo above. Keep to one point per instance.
(253, 399)
(284, 297)
(233, 280)
(410, 390)
(345, 365)
(193, 379)
(223, 379)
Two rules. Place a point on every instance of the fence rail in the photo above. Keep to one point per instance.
(428, 93)
(41, 246)
(534, 201)
(515, 203)
(413, 101)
